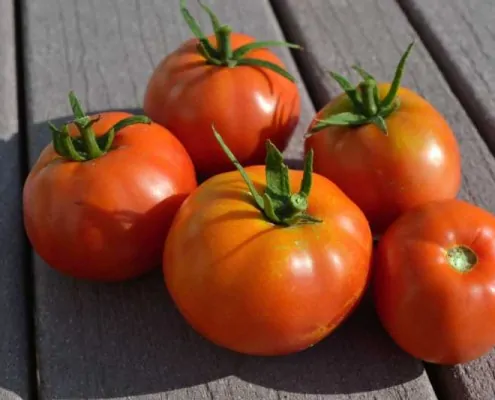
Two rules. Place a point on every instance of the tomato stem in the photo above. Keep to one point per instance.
(278, 204)
(87, 146)
(367, 107)
(370, 105)
(224, 44)
(223, 54)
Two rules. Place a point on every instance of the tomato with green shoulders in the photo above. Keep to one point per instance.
(386, 147)
(266, 260)
(229, 79)
(99, 200)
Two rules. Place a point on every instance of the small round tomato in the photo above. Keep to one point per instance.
(267, 274)
(386, 147)
(100, 199)
(434, 281)
(229, 80)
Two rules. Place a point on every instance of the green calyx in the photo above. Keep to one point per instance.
(367, 107)
(223, 54)
(278, 204)
(87, 146)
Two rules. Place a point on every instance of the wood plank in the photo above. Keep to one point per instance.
(461, 37)
(127, 340)
(14, 337)
(337, 34)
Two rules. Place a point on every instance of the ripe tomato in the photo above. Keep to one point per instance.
(434, 282)
(104, 215)
(247, 95)
(416, 159)
(257, 284)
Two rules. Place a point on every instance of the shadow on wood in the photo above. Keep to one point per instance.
(15, 300)
(118, 340)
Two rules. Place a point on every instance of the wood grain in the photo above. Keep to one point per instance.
(461, 37)
(127, 340)
(14, 349)
(337, 34)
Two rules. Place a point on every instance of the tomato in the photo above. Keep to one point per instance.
(434, 282)
(416, 159)
(247, 95)
(259, 286)
(104, 215)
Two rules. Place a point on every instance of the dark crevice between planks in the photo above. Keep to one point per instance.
(450, 70)
(319, 97)
(27, 259)
(437, 382)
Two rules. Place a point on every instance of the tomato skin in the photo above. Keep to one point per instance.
(430, 309)
(419, 161)
(247, 104)
(106, 219)
(259, 288)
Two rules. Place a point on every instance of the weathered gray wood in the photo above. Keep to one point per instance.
(461, 36)
(14, 349)
(337, 34)
(126, 340)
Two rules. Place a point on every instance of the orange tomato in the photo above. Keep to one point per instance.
(260, 287)
(106, 218)
(434, 281)
(249, 98)
(416, 161)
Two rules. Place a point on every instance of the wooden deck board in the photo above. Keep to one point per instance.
(105, 51)
(461, 37)
(337, 34)
(14, 337)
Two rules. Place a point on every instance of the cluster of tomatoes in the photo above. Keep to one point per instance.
(260, 258)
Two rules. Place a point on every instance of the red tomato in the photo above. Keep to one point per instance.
(417, 161)
(247, 101)
(106, 218)
(260, 287)
(434, 282)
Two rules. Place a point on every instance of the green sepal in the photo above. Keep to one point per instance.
(215, 22)
(277, 203)
(254, 62)
(257, 197)
(365, 75)
(277, 175)
(394, 87)
(341, 119)
(106, 140)
(351, 91)
(223, 55)
(86, 146)
(307, 180)
(367, 107)
(269, 209)
(196, 29)
(380, 124)
(76, 107)
(243, 50)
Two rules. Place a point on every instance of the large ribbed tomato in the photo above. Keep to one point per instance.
(414, 161)
(263, 279)
(434, 281)
(100, 208)
(235, 83)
